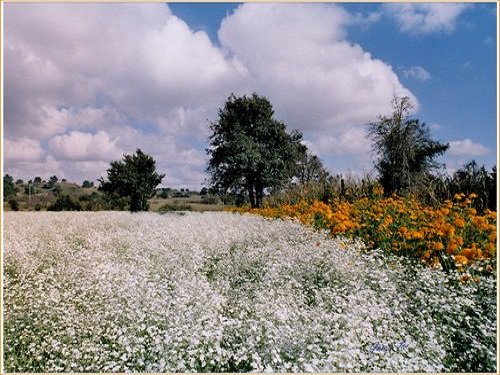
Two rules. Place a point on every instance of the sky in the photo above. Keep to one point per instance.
(86, 83)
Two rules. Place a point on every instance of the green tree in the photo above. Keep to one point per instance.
(250, 150)
(8, 186)
(52, 181)
(132, 180)
(87, 184)
(405, 149)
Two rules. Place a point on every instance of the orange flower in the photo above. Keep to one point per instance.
(459, 222)
(452, 247)
(461, 260)
(468, 253)
(437, 246)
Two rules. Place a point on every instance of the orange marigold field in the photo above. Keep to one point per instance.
(452, 236)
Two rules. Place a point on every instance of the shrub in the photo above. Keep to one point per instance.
(14, 206)
(38, 207)
(210, 199)
(65, 203)
(175, 207)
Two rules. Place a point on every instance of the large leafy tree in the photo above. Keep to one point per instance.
(250, 150)
(132, 180)
(405, 149)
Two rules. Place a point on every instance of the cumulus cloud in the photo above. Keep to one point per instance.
(353, 141)
(298, 56)
(89, 82)
(417, 72)
(467, 147)
(425, 18)
(22, 150)
(84, 146)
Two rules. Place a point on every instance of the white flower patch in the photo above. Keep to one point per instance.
(217, 292)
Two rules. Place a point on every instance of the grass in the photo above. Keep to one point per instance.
(193, 201)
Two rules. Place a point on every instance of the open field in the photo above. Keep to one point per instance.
(194, 201)
(114, 291)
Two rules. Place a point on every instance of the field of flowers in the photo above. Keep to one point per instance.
(453, 236)
(116, 292)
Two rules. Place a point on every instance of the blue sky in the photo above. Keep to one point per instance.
(100, 80)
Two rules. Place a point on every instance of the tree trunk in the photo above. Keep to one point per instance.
(251, 193)
(259, 194)
(251, 196)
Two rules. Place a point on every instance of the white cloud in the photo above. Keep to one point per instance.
(425, 18)
(297, 55)
(22, 150)
(417, 72)
(90, 81)
(467, 147)
(84, 147)
(351, 142)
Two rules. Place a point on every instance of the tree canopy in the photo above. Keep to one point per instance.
(8, 186)
(132, 180)
(405, 149)
(250, 150)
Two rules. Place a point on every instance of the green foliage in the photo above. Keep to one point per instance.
(164, 194)
(250, 150)
(469, 179)
(87, 184)
(346, 188)
(175, 207)
(52, 181)
(405, 148)
(8, 186)
(14, 206)
(210, 199)
(131, 181)
(65, 203)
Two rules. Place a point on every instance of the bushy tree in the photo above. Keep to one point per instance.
(65, 203)
(406, 152)
(14, 205)
(52, 181)
(8, 186)
(132, 180)
(87, 184)
(250, 150)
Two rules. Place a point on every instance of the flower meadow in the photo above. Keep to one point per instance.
(453, 236)
(226, 292)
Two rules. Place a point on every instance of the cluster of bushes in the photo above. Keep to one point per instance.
(175, 207)
(470, 179)
(65, 203)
